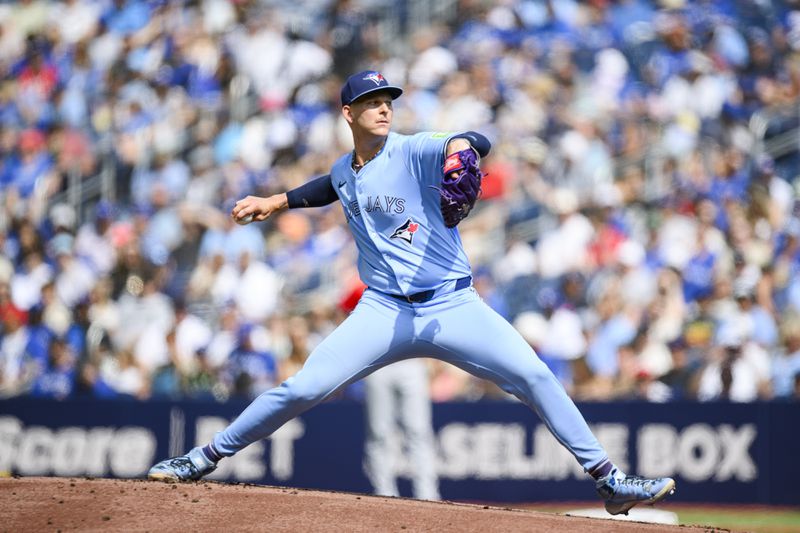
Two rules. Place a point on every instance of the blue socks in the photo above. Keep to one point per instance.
(211, 453)
(602, 469)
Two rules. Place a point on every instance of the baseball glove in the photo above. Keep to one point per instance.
(461, 186)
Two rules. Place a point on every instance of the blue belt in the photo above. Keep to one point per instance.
(424, 296)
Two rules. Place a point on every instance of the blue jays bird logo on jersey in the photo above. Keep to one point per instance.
(406, 231)
(375, 77)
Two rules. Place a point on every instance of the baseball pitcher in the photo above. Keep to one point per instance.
(403, 197)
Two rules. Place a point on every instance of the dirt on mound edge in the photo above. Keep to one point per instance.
(86, 504)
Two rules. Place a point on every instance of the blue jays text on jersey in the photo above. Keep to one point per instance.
(386, 204)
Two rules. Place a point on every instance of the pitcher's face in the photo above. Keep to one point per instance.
(371, 114)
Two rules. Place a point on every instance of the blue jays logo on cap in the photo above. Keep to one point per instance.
(376, 77)
(366, 82)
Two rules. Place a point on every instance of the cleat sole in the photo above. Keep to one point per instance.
(162, 477)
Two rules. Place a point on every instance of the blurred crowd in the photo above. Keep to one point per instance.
(638, 223)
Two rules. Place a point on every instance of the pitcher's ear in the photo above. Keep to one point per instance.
(347, 113)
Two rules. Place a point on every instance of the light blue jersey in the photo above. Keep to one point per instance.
(392, 207)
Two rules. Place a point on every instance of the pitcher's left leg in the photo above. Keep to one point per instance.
(483, 343)
(480, 341)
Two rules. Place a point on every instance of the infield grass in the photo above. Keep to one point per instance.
(760, 520)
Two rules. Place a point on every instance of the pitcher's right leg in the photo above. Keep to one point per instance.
(360, 345)
(353, 350)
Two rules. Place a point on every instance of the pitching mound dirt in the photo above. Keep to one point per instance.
(68, 504)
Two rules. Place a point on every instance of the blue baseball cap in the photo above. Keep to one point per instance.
(366, 82)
